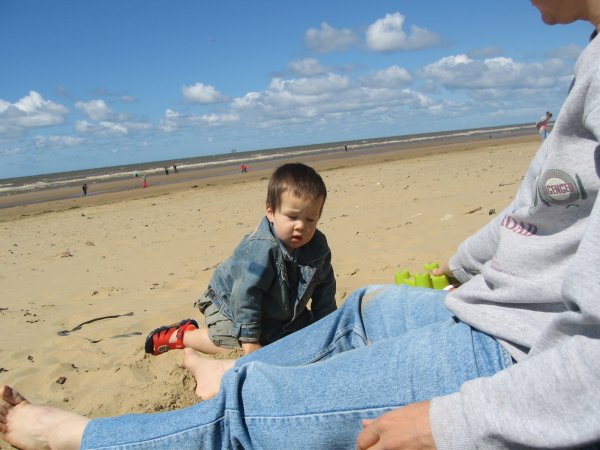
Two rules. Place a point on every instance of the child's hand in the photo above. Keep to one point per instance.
(250, 347)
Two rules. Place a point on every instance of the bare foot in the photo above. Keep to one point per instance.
(207, 372)
(28, 426)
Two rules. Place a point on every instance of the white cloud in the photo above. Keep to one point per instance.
(393, 76)
(57, 141)
(173, 120)
(83, 126)
(219, 119)
(329, 99)
(12, 151)
(201, 93)
(387, 35)
(105, 122)
(462, 72)
(95, 109)
(31, 111)
(110, 128)
(113, 128)
(307, 67)
(328, 39)
(324, 85)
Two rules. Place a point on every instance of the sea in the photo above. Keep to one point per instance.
(233, 159)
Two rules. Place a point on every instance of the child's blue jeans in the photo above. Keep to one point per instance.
(384, 348)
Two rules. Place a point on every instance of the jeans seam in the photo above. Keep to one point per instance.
(332, 347)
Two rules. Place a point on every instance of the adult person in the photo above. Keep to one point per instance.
(542, 125)
(510, 359)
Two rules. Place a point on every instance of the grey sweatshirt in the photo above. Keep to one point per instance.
(531, 279)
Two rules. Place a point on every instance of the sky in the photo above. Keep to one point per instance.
(90, 83)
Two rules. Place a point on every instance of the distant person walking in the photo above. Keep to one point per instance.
(345, 147)
(84, 188)
(145, 181)
(166, 171)
(244, 169)
(175, 169)
(542, 125)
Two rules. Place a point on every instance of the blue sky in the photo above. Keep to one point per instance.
(96, 83)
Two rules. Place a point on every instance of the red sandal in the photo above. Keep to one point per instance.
(157, 341)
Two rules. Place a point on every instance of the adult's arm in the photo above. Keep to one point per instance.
(551, 399)
(479, 248)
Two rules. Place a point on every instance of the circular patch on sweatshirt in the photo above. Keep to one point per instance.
(557, 187)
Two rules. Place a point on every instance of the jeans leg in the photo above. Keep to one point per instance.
(368, 315)
(316, 406)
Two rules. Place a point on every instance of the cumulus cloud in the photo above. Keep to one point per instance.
(12, 151)
(462, 72)
(307, 67)
(110, 128)
(57, 141)
(31, 111)
(201, 93)
(393, 76)
(328, 39)
(104, 121)
(173, 120)
(328, 99)
(388, 35)
(324, 85)
(95, 109)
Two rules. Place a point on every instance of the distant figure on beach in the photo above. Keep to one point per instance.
(244, 169)
(166, 171)
(175, 169)
(84, 188)
(260, 293)
(542, 125)
(145, 182)
(345, 147)
(136, 174)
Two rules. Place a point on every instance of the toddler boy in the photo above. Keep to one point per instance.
(260, 293)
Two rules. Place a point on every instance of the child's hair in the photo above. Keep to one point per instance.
(298, 179)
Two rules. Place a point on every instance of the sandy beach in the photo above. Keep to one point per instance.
(125, 262)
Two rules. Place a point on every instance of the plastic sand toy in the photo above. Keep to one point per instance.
(424, 279)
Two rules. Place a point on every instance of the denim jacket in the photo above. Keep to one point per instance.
(264, 290)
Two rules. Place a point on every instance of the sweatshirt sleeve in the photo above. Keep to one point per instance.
(551, 399)
(476, 250)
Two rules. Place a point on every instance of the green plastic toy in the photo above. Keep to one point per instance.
(424, 279)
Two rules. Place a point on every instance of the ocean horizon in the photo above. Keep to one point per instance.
(231, 161)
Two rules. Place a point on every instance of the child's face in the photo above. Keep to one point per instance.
(295, 221)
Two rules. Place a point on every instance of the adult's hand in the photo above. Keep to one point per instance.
(444, 269)
(404, 428)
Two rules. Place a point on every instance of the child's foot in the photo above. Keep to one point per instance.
(28, 426)
(169, 337)
(208, 372)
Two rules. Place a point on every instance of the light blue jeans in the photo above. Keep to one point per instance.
(387, 346)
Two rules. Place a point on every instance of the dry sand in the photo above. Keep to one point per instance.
(144, 258)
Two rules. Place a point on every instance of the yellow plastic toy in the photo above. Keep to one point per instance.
(424, 279)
